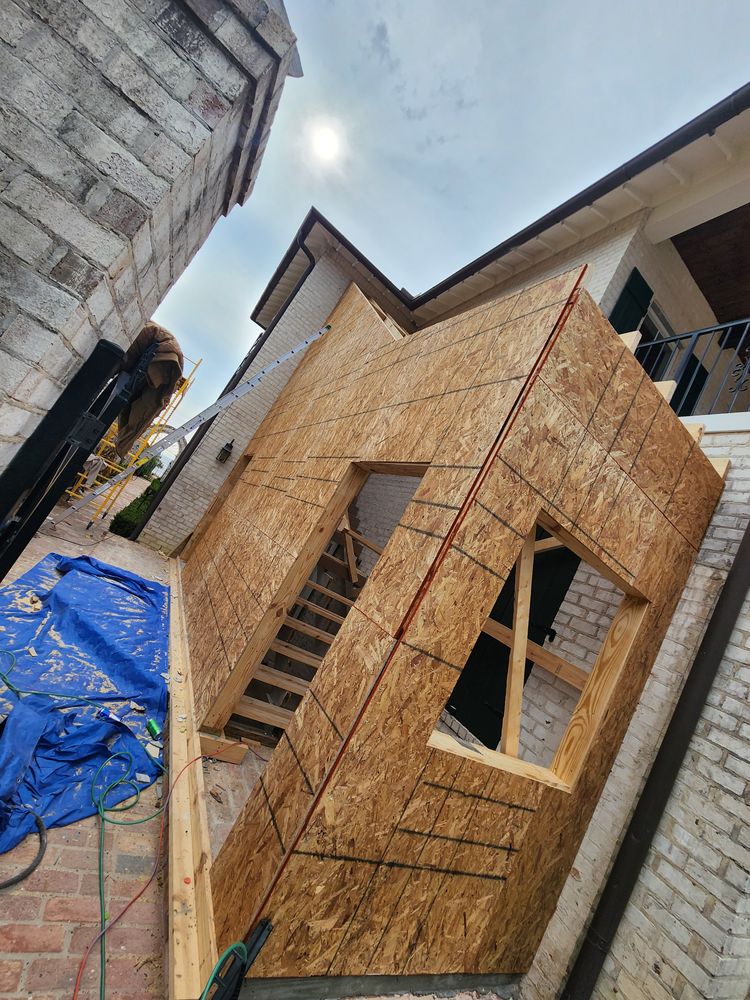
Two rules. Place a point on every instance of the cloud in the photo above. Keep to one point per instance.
(380, 44)
(414, 114)
(463, 123)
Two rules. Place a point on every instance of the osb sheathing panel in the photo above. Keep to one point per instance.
(370, 851)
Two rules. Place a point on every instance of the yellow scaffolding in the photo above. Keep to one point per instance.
(104, 463)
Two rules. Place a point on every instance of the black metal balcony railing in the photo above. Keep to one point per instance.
(711, 367)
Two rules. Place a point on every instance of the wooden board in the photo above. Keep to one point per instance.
(192, 939)
(263, 711)
(373, 849)
(540, 655)
(228, 751)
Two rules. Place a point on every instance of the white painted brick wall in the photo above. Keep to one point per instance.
(199, 481)
(686, 932)
(603, 253)
(581, 625)
(674, 288)
(378, 510)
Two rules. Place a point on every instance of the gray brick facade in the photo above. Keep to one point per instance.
(686, 931)
(199, 481)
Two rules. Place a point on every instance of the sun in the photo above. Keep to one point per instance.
(325, 142)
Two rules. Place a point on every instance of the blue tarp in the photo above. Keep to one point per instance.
(77, 627)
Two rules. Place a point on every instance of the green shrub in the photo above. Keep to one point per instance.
(147, 470)
(126, 519)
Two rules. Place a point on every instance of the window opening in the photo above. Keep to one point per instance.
(314, 617)
(537, 682)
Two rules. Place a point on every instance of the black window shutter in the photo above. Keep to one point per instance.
(633, 303)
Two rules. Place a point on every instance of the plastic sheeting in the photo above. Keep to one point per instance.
(83, 630)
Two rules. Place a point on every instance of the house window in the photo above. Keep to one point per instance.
(652, 355)
(546, 689)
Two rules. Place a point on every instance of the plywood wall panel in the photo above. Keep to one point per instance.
(369, 850)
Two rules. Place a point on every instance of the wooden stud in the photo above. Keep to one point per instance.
(228, 751)
(631, 340)
(318, 610)
(543, 657)
(263, 711)
(330, 593)
(279, 679)
(596, 696)
(351, 559)
(722, 466)
(295, 653)
(342, 568)
(451, 744)
(571, 542)
(548, 545)
(695, 431)
(362, 540)
(509, 741)
(192, 941)
(316, 633)
(666, 388)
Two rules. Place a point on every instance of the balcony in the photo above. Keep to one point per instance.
(710, 366)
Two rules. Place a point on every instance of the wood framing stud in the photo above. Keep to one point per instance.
(263, 711)
(351, 559)
(631, 340)
(595, 699)
(279, 679)
(227, 750)
(543, 657)
(666, 388)
(494, 758)
(548, 545)
(192, 941)
(695, 431)
(363, 541)
(722, 466)
(509, 740)
(318, 610)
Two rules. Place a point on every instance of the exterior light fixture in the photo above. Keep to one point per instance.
(225, 452)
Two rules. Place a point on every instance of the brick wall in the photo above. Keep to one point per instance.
(126, 129)
(199, 481)
(378, 509)
(603, 253)
(581, 625)
(686, 932)
(674, 289)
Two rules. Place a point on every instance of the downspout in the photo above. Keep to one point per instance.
(185, 454)
(660, 782)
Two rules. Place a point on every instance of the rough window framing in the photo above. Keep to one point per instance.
(597, 687)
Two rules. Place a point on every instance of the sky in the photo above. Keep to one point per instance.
(459, 123)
